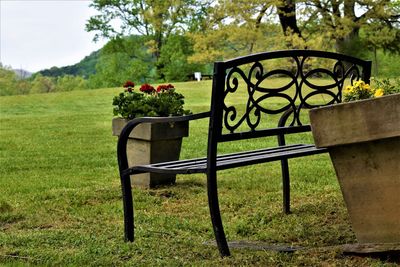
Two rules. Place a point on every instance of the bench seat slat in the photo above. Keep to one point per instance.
(226, 161)
(243, 154)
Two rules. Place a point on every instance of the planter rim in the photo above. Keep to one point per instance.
(152, 131)
(357, 121)
(355, 102)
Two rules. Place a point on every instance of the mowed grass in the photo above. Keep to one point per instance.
(60, 197)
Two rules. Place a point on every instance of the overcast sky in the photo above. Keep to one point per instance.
(39, 34)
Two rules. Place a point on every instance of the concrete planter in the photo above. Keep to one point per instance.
(363, 138)
(152, 143)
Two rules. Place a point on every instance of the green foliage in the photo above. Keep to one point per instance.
(8, 81)
(243, 27)
(130, 58)
(174, 59)
(387, 86)
(163, 102)
(360, 90)
(345, 24)
(377, 36)
(11, 84)
(22, 87)
(84, 68)
(43, 84)
(122, 59)
(156, 19)
(352, 46)
(70, 83)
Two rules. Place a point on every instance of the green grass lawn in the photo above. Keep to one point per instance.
(60, 197)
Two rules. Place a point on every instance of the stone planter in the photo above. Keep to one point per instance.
(152, 143)
(363, 139)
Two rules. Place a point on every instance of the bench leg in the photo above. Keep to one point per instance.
(286, 186)
(216, 215)
(128, 207)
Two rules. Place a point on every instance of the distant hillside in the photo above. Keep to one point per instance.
(85, 67)
(23, 74)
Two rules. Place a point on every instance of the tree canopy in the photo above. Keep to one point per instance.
(239, 27)
(155, 18)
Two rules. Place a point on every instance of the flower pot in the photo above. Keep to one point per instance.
(363, 138)
(152, 143)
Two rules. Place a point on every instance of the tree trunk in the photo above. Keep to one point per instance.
(258, 23)
(287, 17)
(376, 62)
(159, 43)
(346, 43)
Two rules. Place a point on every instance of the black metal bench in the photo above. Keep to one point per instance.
(238, 119)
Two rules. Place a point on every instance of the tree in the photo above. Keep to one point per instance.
(287, 17)
(123, 59)
(239, 26)
(85, 67)
(70, 83)
(153, 18)
(342, 21)
(11, 83)
(8, 81)
(174, 59)
(43, 84)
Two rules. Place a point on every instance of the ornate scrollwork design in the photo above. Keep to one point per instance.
(257, 95)
(258, 91)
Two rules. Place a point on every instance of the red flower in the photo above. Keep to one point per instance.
(164, 87)
(147, 88)
(160, 88)
(129, 84)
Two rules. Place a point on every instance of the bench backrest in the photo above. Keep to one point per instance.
(249, 90)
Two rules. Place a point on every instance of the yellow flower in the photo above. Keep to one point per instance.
(359, 83)
(367, 87)
(379, 92)
(348, 88)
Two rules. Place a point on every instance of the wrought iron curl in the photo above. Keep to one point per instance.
(339, 69)
(275, 92)
(353, 73)
(257, 115)
(268, 93)
(321, 89)
(232, 84)
(233, 81)
(258, 70)
(254, 108)
(337, 76)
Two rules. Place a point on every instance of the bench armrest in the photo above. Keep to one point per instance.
(123, 138)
